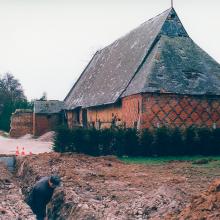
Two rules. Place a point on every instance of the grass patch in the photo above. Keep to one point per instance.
(163, 160)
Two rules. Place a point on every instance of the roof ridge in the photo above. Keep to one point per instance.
(156, 39)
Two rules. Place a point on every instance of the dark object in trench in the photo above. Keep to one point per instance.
(41, 195)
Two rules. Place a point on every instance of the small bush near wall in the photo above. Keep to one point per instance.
(146, 139)
(160, 142)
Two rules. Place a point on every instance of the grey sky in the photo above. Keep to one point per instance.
(47, 43)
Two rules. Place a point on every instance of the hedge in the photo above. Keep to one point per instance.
(159, 142)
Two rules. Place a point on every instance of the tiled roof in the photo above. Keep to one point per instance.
(158, 56)
(48, 107)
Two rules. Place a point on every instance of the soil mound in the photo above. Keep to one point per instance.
(26, 137)
(47, 137)
(205, 206)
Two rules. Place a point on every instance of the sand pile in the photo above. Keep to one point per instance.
(47, 137)
(26, 137)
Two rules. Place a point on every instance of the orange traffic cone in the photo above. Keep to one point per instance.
(23, 152)
(17, 151)
(31, 153)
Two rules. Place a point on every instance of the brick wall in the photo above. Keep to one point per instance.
(156, 110)
(180, 111)
(21, 123)
(43, 123)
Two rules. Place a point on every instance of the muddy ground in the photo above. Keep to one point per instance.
(107, 189)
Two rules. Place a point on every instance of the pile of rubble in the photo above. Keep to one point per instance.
(204, 206)
(47, 137)
(12, 206)
(106, 188)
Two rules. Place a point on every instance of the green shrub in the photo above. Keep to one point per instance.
(145, 142)
(78, 141)
(216, 142)
(161, 141)
(191, 142)
(63, 140)
(131, 142)
(105, 141)
(117, 141)
(176, 146)
(205, 141)
(92, 142)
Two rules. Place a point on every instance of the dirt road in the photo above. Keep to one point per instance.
(8, 145)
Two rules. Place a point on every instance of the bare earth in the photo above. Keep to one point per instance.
(35, 146)
(105, 188)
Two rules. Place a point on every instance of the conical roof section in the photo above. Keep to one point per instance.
(176, 65)
(172, 26)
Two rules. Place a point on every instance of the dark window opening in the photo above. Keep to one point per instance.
(84, 118)
(78, 115)
(135, 124)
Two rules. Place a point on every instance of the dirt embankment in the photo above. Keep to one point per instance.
(12, 206)
(105, 188)
(204, 206)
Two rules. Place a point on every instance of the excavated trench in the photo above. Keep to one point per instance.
(9, 161)
(105, 188)
(16, 181)
(12, 205)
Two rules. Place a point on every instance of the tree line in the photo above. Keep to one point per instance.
(12, 97)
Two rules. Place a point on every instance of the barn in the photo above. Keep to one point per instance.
(153, 76)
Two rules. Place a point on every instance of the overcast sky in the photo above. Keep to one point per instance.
(47, 43)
